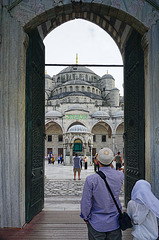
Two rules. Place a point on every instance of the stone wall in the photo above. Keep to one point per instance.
(12, 122)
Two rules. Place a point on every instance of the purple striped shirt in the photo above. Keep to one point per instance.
(97, 205)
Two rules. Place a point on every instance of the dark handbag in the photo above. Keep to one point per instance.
(124, 219)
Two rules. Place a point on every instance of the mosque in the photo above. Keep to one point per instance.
(83, 113)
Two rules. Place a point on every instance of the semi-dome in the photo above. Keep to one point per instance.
(53, 114)
(76, 69)
(78, 129)
(100, 114)
(76, 107)
(118, 114)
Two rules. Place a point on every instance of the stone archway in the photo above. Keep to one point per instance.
(120, 20)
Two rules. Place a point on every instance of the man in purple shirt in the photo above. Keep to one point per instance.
(97, 206)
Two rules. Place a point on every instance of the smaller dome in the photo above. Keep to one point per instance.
(47, 76)
(100, 114)
(118, 114)
(53, 114)
(78, 129)
(108, 76)
(114, 89)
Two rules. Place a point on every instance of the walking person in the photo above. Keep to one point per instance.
(77, 166)
(118, 160)
(97, 207)
(143, 209)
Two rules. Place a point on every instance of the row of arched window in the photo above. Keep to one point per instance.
(76, 89)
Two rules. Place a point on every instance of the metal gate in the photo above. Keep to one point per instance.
(35, 114)
(134, 109)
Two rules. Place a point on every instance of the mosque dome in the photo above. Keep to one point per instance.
(118, 114)
(76, 69)
(78, 129)
(53, 114)
(47, 76)
(107, 76)
(100, 114)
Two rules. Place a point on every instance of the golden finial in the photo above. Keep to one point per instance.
(77, 58)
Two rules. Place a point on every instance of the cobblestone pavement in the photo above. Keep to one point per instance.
(61, 191)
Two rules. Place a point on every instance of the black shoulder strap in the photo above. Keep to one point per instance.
(102, 175)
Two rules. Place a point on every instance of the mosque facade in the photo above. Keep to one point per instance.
(83, 113)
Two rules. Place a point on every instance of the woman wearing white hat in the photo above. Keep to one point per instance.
(143, 209)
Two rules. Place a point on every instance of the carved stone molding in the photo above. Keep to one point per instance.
(144, 41)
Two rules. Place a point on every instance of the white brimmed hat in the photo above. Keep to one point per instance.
(105, 156)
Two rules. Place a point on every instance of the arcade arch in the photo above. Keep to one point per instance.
(101, 136)
(54, 138)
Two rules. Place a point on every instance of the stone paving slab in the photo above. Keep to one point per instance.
(62, 193)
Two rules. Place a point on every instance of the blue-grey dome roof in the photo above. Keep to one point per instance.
(76, 69)
(108, 76)
(100, 114)
(76, 107)
(114, 89)
(48, 76)
(118, 114)
(78, 129)
(53, 114)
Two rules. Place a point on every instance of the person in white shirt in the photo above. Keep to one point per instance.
(143, 209)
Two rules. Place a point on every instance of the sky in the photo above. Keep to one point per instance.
(92, 44)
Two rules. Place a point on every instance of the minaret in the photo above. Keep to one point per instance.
(76, 58)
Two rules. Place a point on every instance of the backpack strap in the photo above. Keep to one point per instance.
(102, 175)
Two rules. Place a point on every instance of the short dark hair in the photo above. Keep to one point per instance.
(118, 152)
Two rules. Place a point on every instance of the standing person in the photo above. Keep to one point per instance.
(81, 162)
(85, 162)
(77, 166)
(58, 159)
(118, 160)
(143, 208)
(50, 156)
(97, 207)
(95, 159)
(61, 159)
(53, 159)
